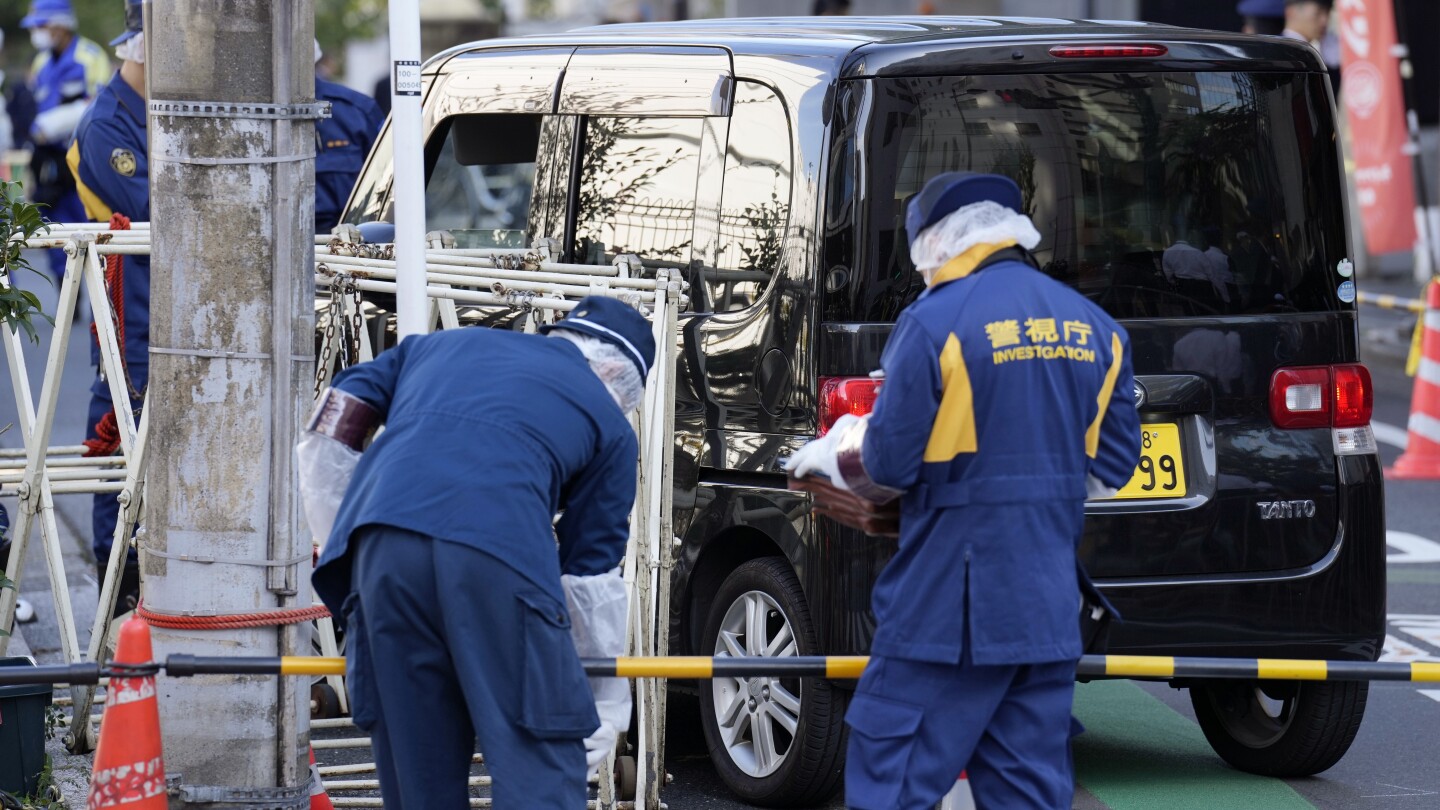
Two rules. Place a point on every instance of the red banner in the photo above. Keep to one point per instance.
(1375, 106)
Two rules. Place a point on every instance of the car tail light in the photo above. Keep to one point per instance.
(1354, 396)
(1322, 396)
(1299, 397)
(842, 395)
(1108, 51)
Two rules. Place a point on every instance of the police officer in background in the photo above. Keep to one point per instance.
(67, 71)
(17, 108)
(109, 162)
(342, 142)
(1265, 17)
(1007, 400)
(442, 561)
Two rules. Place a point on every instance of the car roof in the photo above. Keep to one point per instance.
(870, 45)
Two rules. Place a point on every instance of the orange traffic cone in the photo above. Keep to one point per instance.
(319, 799)
(129, 768)
(1421, 458)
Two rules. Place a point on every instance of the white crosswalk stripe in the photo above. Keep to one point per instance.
(1412, 548)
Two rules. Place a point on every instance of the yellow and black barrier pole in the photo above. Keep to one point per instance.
(835, 667)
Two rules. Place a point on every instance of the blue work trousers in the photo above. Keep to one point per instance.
(446, 645)
(105, 509)
(914, 726)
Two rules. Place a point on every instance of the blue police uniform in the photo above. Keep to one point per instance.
(109, 161)
(443, 563)
(1003, 391)
(57, 79)
(342, 142)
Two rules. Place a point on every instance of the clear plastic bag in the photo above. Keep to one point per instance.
(323, 467)
(599, 608)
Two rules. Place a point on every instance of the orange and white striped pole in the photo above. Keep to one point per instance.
(1421, 458)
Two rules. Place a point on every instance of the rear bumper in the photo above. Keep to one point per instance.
(1333, 610)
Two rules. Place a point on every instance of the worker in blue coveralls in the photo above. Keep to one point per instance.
(342, 142)
(1006, 401)
(442, 561)
(109, 162)
(67, 71)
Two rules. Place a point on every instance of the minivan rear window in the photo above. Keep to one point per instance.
(1158, 194)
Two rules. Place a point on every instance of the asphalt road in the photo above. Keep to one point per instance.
(1143, 748)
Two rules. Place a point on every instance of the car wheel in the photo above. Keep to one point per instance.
(1280, 728)
(776, 742)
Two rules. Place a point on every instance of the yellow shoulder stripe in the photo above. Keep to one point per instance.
(98, 210)
(965, 264)
(1092, 436)
(954, 431)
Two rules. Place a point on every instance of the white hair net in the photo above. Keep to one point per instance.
(978, 223)
(132, 49)
(612, 365)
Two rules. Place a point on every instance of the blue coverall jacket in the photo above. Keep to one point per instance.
(488, 434)
(111, 164)
(1003, 390)
(342, 143)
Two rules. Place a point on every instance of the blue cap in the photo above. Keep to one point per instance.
(134, 21)
(1260, 8)
(49, 12)
(614, 322)
(947, 193)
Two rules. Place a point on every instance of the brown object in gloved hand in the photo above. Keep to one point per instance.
(882, 520)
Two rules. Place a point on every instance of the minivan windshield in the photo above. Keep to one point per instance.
(1158, 194)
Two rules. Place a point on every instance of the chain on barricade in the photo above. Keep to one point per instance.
(362, 250)
(341, 328)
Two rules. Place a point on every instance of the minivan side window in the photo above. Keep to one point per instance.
(481, 175)
(480, 172)
(637, 190)
(755, 206)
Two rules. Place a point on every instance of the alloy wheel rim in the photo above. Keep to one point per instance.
(757, 717)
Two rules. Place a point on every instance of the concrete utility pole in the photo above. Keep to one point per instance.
(232, 143)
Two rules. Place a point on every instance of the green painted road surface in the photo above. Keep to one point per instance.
(1139, 754)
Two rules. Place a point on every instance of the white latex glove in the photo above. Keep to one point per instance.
(599, 608)
(599, 745)
(819, 456)
(1095, 489)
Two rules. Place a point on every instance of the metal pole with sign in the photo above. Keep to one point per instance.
(409, 162)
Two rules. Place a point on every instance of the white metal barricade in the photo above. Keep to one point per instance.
(534, 288)
(36, 474)
(524, 288)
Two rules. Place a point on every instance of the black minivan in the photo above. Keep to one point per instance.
(1189, 182)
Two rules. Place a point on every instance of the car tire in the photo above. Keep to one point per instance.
(1280, 728)
(802, 767)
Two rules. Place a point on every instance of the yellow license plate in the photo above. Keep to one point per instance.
(1161, 471)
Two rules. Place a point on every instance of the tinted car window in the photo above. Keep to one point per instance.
(755, 206)
(637, 190)
(1158, 195)
(481, 178)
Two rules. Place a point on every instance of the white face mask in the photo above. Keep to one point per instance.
(41, 39)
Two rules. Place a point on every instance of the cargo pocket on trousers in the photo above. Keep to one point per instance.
(555, 698)
(882, 735)
(359, 677)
